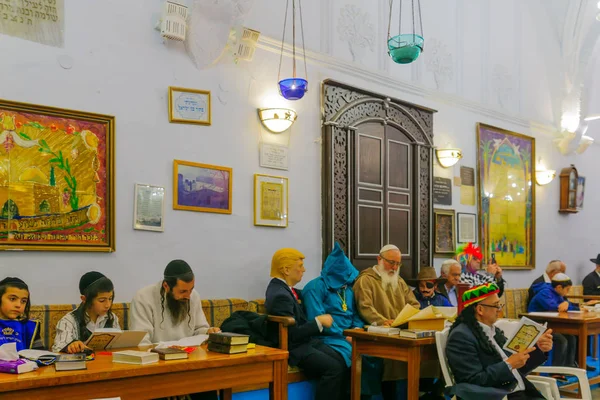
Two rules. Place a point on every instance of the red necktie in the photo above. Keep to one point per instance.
(295, 294)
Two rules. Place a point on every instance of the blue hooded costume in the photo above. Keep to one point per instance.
(332, 294)
(545, 298)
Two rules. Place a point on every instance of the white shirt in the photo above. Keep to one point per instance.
(452, 295)
(546, 278)
(67, 329)
(319, 324)
(489, 331)
(146, 315)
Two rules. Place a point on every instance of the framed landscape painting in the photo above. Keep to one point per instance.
(56, 179)
(506, 196)
(201, 187)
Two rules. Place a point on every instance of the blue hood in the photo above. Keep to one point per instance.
(538, 287)
(338, 270)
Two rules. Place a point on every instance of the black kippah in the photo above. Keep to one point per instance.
(10, 279)
(177, 268)
(88, 279)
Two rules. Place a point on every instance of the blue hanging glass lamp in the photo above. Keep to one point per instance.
(293, 88)
(405, 48)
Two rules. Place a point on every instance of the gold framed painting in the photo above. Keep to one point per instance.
(505, 168)
(201, 187)
(189, 106)
(445, 228)
(56, 179)
(270, 201)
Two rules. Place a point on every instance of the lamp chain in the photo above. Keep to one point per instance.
(421, 22)
(390, 18)
(303, 49)
(282, 40)
(294, 37)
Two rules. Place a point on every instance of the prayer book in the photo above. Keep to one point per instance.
(171, 354)
(228, 338)
(70, 362)
(135, 357)
(417, 333)
(428, 318)
(384, 330)
(226, 348)
(110, 338)
(524, 336)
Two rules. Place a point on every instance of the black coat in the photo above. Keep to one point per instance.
(251, 324)
(591, 284)
(480, 371)
(280, 301)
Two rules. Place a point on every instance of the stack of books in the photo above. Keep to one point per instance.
(70, 362)
(228, 343)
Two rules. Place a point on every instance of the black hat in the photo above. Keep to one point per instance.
(11, 279)
(177, 268)
(596, 260)
(88, 279)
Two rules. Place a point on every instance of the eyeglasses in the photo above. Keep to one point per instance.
(496, 306)
(396, 263)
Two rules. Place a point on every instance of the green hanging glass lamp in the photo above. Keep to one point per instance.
(293, 88)
(405, 48)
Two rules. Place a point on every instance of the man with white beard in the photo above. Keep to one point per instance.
(380, 295)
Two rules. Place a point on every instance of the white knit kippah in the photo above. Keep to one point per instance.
(388, 247)
(560, 277)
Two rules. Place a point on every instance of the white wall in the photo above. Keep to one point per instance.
(122, 67)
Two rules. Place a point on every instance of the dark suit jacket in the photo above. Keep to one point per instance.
(530, 291)
(471, 365)
(591, 284)
(280, 301)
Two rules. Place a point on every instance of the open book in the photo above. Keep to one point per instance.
(524, 336)
(111, 338)
(409, 313)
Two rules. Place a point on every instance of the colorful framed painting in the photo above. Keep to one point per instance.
(149, 208)
(270, 201)
(201, 187)
(445, 236)
(189, 106)
(506, 196)
(56, 179)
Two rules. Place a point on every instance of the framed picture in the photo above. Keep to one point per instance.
(445, 238)
(270, 201)
(149, 208)
(56, 179)
(467, 227)
(580, 192)
(189, 106)
(201, 187)
(506, 196)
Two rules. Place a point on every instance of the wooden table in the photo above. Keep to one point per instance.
(203, 371)
(412, 351)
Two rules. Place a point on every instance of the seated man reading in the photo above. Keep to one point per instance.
(318, 360)
(481, 368)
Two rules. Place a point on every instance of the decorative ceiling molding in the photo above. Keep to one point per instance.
(360, 71)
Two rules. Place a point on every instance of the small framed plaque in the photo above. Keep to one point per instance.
(189, 106)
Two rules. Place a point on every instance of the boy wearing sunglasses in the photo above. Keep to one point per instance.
(426, 288)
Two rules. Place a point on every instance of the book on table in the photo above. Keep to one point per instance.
(43, 357)
(431, 318)
(417, 333)
(170, 353)
(135, 357)
(70, 362)
(227, 348)
(228, 338)
(111, 338)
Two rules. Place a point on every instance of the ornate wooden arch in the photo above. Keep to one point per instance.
(344, 109)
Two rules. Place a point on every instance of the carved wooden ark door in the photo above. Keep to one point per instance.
(377, 174)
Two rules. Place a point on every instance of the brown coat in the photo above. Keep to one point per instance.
(376, 305)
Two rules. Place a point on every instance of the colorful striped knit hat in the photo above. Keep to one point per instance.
(478, 293)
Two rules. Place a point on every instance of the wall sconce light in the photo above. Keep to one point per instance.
(277, 120)
(544, 177)
(448, 157)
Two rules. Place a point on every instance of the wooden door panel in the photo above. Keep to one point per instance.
(370, 226)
